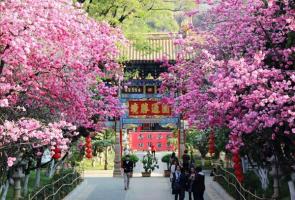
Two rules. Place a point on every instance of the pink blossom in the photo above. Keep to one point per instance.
(4, 103)
(10, 161)
(236, 80)
(56, 65)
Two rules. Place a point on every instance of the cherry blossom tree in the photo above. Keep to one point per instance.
(54, 60)
(53, 55)
(242, 76)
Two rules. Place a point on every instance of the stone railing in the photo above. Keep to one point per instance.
(231, 182)
(59, 188)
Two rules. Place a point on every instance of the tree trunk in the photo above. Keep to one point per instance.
(5, 190)
(17, 189)
(106, 159)
(95, 160)
(275, 184)
(262, 173)
(17, 176)
(203, 162)
(291, 189)
(100, 158)
(37, 178)
(1, 188)
(51, 169)
(38, 172)
(26, 183)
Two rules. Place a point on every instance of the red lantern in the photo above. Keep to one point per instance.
(238, 173)
(57, 153)
(56, 156)
(88, 139)
(240, 178)
(88, 148)
(89, 156)
(88, 145)
(57, 150)
(238, 167)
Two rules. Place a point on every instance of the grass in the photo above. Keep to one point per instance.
(253, 184)
(43, 181)
(87, 163)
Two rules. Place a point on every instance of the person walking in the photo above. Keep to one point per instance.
(149, 149)
(153, 148)
(186, 160)
(191, 179)
(179, 183)
(128, 169)
(172, 170)
(173, 158)
(126, 150)
(198, 187)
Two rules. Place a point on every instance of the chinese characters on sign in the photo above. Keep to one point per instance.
(140, 89)
(133, 89)
(148, 108)
(142, 140)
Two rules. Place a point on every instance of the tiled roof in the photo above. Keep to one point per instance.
(161, 44)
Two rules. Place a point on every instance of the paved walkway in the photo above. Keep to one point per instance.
(154, 188)
(101, 186)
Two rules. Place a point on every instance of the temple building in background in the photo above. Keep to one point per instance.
(147, 120)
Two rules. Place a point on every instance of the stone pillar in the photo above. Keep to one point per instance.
(117, 160)
(17, 176)
(182, 142)
(181, 138)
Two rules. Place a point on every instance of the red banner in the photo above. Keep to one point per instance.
(148, 108)
(141, 141)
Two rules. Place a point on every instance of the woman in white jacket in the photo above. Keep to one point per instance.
(172, 169)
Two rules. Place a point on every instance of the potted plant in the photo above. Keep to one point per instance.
(166, 159)
(149, 165)
(133, 158)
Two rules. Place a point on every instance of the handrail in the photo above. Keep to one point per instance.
(53, 183)
(232, 185)
(66, 184)
(237, 181)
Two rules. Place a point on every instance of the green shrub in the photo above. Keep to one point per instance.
(149, 163)
(207, 164)
(166, 158)
(133, 158)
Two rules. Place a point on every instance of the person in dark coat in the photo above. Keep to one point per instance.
(179, 183)
(173, 158)
(127, 166)
(186, 160)
(190, 181)
(198, 187)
